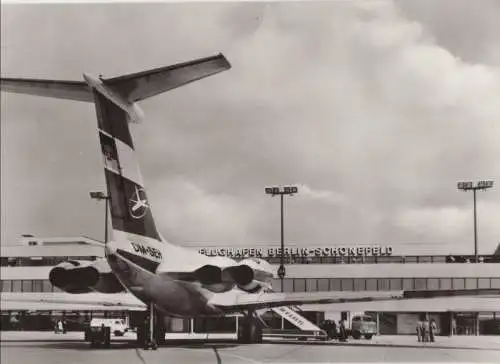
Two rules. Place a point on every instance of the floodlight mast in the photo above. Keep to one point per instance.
(482, 185)
(281, 191)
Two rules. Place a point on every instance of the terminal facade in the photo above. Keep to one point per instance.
(25, 269)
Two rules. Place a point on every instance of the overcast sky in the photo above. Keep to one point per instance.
(374, 109)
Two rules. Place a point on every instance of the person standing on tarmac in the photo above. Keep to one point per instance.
(342, 332)
(334, 334)
(432, 330)
(420, 329)
(426, 330)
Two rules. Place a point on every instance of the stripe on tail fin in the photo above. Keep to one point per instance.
(130, 209)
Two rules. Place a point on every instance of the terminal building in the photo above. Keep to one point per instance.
(25, 270)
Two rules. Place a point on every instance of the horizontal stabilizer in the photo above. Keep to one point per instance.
(69, 90)
(142, 85)
(131, 88)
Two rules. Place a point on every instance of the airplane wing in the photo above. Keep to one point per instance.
(66, 301)
(69, 90)
(140, 86)
(242, 301)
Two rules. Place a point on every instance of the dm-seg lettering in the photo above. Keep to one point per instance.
(147, 250)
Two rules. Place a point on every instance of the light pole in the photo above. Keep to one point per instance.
(468, 186)
(99, 195)
(281, 191)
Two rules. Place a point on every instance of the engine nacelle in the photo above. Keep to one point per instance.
(214, 278)
(250, 275)
(262, 273)
(75, 276)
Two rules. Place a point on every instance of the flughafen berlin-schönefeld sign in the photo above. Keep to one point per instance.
(333, 251)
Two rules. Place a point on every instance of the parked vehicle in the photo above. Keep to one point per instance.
(118, 327)
(363, 325)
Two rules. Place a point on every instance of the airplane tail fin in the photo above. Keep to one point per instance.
(115, 106)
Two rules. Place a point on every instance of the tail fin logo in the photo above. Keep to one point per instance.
(138, 204)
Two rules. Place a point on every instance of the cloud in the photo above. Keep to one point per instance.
(186, 210)
(443, 222)
(329, 197)
(368, 106)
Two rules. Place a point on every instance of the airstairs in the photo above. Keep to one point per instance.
(305, 328)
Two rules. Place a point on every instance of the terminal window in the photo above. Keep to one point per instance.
(335, 284)
(384, 284)
(300, 285)
(483, 283)
(312, 285)
(347, 284)
(7, 286)
(420, 284)
(433, 284)
(323, 285)
(396, 284)
(458, 283)
(34, 285)
(287, 285)
(360, 284)
(371, 284)
(495, 282)
(471, 283)
(445, 283)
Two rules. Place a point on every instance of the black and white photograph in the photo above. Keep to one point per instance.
(240, 182)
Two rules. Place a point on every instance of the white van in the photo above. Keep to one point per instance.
(117, 326)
